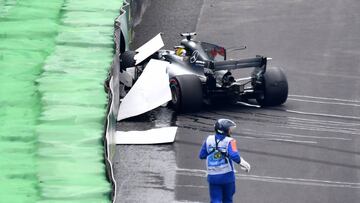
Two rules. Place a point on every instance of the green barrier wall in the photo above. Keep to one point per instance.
(54, 57)
(27, 36)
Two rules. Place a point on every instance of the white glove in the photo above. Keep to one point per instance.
(244, 165)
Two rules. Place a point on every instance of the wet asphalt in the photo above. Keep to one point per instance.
(307, 150)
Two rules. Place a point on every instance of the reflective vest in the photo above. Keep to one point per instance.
(217, 162)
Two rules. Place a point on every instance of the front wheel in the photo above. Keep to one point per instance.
(127, 60)
(186, 93)
(275, 88)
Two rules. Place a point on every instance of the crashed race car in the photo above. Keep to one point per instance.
(200, 73)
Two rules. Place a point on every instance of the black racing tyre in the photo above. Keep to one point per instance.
(127, 59)
(275, 88)
(186, 93)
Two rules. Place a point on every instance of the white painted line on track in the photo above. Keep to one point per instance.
(296, 181)
(325, 102)
(315, 137)
(192, 186)
(324, 98)
(335, 123)
(291, 135)
(304, 127)
(293, 141)
(277, 139)
(281, 180)
(326, 127)
(323, 114)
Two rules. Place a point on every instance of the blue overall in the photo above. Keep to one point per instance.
(221, 176)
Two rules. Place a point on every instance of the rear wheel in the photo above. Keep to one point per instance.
(275, 88)
(186, 93)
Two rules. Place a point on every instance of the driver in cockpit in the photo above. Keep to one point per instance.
(180, 51)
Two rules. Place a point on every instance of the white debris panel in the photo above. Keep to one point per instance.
(151, 90)
(153, 136)
(148, 49)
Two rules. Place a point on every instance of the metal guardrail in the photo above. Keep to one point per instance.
(130, 15)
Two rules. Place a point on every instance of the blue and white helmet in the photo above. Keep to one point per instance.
(223, 126)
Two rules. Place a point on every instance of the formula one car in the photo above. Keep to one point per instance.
(199, 73)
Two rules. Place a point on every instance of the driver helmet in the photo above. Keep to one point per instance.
(180, 51)
(224, 126)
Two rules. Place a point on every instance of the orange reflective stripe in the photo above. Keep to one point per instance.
(233, 145)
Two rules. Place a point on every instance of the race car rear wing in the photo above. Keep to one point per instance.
(257, 62)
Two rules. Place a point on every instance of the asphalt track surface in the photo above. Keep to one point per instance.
(304, 151)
